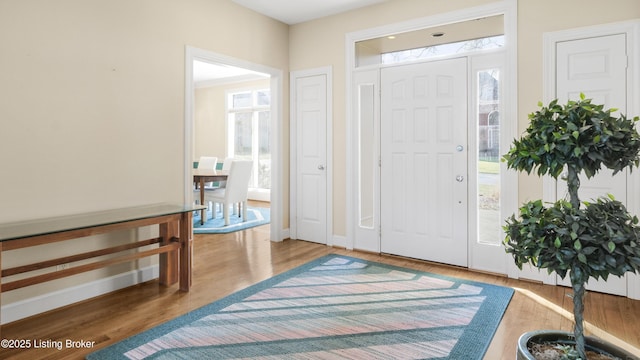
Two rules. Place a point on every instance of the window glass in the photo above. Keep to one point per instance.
(243, 135)
(264, 155)
(461, 47)
(488, 140)
(242, 100)
(263, 98)
(249, 115)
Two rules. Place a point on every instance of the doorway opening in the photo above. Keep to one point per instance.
(233, 109)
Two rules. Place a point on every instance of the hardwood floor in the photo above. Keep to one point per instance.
(224, 264)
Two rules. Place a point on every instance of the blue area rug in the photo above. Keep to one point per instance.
(331, 308)
(255, 217)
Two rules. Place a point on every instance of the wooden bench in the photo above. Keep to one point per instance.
(174, 242)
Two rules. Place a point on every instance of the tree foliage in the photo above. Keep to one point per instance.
(596, 241)
(587, 240)
(580, 135)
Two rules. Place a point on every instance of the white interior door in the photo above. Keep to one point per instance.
(311, 158)
(424, 161)
(596, 67)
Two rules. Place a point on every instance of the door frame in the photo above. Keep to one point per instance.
(632, 31)
(508, 8)
(191, 54)
(327, 71)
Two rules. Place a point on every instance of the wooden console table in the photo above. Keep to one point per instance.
(174, 242)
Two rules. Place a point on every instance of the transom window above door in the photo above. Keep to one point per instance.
(456, 48)
(441, 41)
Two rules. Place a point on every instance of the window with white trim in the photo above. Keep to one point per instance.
(249, 119)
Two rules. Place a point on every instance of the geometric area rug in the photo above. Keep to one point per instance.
(334, 307)
(215, 225)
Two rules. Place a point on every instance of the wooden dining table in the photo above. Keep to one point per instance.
(202, 176)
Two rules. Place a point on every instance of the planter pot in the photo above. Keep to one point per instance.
(563, 337)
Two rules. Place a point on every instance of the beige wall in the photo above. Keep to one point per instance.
(321, 43)
(209, 123)
(92, 96)
(92, 102)
(92, 91)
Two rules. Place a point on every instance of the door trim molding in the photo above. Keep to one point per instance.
(191, 54)
(632, 31)
(506, 7)
(293, 142)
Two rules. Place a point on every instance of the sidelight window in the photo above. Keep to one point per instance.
(488, 156)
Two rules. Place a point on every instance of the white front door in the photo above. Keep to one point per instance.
(424, 161)
(311, 158)
(596, 67)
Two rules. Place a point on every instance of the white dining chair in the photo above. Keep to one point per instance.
(209, 163)
(226, 166)
(235, 191)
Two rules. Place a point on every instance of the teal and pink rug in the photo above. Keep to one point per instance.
(335, 307)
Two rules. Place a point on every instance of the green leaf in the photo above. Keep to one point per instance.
(577, 152)
(577, 245)
(611, 246)
(582, 258)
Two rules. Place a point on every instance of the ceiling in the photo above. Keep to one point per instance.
(296, 11)
(208, 74)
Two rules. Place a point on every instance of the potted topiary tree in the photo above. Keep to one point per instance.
(585, 240)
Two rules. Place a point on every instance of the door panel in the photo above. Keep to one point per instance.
(596, 67)
(423, 121)
(311, 114)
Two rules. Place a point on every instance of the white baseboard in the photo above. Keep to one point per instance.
(39, 304)
(340, 241)
(633, 286)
